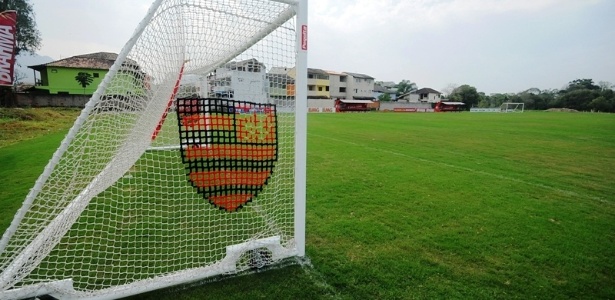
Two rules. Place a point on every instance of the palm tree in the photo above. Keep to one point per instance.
(84, 79)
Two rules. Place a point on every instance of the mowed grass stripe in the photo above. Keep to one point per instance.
(481, 172)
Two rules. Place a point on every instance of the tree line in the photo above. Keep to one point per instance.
(579, 94)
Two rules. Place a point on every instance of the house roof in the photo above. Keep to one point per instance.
(379, 88)
(335, 73)
(357, 75)
(388, 84)
(426, 91)
(362, 98)
(317, 71)
(98, 60)
(356, 101)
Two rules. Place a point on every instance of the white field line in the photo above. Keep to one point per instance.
(517, 180)
(317, 277)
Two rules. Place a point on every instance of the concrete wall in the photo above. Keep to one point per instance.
(321, 105)
(36, 100)
(329, 103)
(401, 106)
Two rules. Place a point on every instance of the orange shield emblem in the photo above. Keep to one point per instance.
(229, 148)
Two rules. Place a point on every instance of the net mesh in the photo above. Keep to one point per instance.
(150, 185)
(512, 107)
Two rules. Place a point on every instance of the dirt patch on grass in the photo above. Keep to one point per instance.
(562, 110)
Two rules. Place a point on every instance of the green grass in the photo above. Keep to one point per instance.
(424, 206)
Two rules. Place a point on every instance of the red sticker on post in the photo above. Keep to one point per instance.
(304, 38)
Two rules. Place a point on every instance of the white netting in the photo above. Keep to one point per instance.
(512, 107)
(119, 206)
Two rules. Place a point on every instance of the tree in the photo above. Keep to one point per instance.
(384, 97)
(406, 86)
(449, 89)
(581, 84)
(27, 36)
(466, 94)
(602, 104)
(605, 85)
(578, 94)
(84, 79)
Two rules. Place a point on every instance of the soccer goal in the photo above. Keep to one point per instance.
(512, 107)
(188, 161)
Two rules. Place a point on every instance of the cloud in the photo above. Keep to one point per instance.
(347, 16)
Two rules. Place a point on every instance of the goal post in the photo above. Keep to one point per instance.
(512, 107)
(189, 161)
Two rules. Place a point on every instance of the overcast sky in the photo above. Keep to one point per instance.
(494, 45)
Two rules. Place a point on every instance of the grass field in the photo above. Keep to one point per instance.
(424, 206)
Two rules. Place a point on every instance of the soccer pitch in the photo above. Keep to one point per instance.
(451, 205)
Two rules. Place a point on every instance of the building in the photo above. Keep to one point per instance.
(192, 85)
(380, 90)
(244, 80)
(424, 95)
(318, 82)
(281, 86)
(359, 86)
(60, 76)
(339, 83)
(352, 86)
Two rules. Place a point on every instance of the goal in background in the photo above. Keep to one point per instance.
(512, 107)
(188, 161)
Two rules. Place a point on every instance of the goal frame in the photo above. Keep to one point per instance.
(512, 107)
(226, 265)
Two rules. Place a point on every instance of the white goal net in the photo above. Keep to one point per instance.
(512, 107)
(188, 161)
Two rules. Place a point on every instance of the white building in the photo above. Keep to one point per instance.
(244, 80)
(424, 95)
(360, 86)
(193, 85)
(352, 86)
(338, 85)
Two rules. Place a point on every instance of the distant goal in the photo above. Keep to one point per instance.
(512, 107)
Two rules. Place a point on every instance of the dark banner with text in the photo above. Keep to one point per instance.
(8, 20)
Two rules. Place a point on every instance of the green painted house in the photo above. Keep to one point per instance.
(60, 76)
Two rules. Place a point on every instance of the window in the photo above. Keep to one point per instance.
(342, 78)
(342, 90)
(311, 87)
(311, 76)
(327, 88)
(320, 88)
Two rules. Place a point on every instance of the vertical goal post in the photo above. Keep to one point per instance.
(164, 180)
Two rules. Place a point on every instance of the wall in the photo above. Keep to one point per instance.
(405, 106)
(321, 105)
(34, 100)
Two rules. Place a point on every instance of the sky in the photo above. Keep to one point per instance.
(497, 46)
